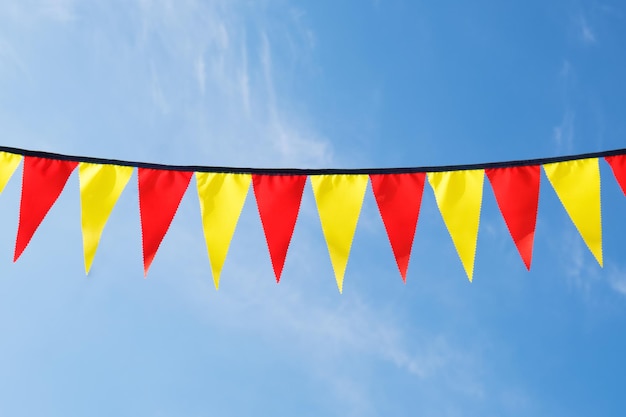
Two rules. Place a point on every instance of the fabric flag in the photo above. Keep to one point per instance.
(399, 198)
(618, 166)
(278, 199)
(577, 183)
(222, 197)
(43, 181)
(517, 193)
(459, 196)
(339, 199)
(100, 188)
(8, 165)
(160, 193)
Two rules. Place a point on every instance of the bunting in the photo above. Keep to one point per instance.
(222, 197)
(339, 199)
(577, 183)
(618, 166)
(459, 196)
(338, 194)
(100, 187)
(278, 199)
(399, 197)
(8, 165)
(517, 193)
(160, 193)
(43, 181)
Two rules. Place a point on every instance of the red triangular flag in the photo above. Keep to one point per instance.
(278, 199)
(517, 193)
(618, 165)
(43, 181)
(399, 197)
(160, 193)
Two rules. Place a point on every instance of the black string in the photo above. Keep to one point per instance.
(308, 171)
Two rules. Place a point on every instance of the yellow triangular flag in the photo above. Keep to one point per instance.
(339, 199)
(222, 197)
(100, 188)
(459, 195)
(577, 183)
(8, 165)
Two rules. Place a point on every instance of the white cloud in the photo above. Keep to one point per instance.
(59, 10)
(336, 341)
(239, 101)
(617, 279)
(26, 11)
(244, 80)
(201, 74)
(580, 269)
(563, 133)
(575, 266)
(157, 92)
(9, 57)
(587, 34)
(566, 69)
(301, 28)
(215, 69)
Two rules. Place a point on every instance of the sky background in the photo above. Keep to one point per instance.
(341, 84)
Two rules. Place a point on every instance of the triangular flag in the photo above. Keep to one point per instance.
(222, 197)
(100, 188)
(618, 166)
(577, 183)
(339, 199)
(8, 165)
(459, 196)
(517, 193)
(160, 193)
(399, 197)
(278, 199)
(43, 181)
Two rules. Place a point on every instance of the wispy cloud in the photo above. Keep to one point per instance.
(566, 69)
(617, 280)
(336, 342)
(580, 269)
(201, 74)
(59, 10)
(216, 70)
(611, 11)
(9, 57)
(156, 90)
(586, 33)
(244, 79)
(563, 133)
(575, 266)
(239, 101)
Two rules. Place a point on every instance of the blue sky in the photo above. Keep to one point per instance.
(312, 84)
